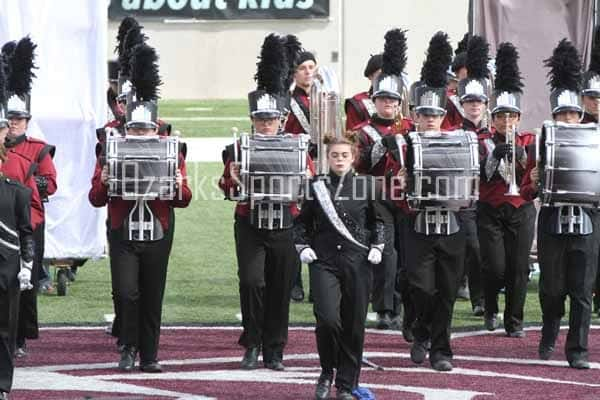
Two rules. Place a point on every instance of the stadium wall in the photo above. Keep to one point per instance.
(217, 59)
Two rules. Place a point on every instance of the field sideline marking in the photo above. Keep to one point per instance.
(206, 118)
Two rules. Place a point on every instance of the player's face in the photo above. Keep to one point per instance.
(17, 127)
(429, 122)
(142, 131)
(591, 105)
(386, 107)
(266, 126)
(504, 120)
(340, 158)
(569, 117)
(304, 74)
(474, 109)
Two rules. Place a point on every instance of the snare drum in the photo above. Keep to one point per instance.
(273, 168)
(445, 170)
(142, 167)
(569, 166)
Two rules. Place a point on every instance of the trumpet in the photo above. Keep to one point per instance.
(509, 161)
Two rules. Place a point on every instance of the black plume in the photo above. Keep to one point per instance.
(2, 81)
(124, 27)
(565, 67)
(394, 52)
(144, 72)
(133, 38)
(439, 57)
(595, 56)
(9, 48)
(293, 47)
(463, 44)
(508, 76)
(477, 58)
(272, 67)
(21, 67)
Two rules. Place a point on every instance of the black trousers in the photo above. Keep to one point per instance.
(9, 314)
(265, 269)
(435, 269)
(384, 296)
(139, 272)
(473, 267)
(28, 318)
(341, 299)
(505, 237)
(402, 286)
(568, 266)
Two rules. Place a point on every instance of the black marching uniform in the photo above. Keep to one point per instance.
(567, 235)
(16, 243)
(340, 277)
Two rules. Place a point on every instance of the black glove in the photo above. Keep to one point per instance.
(519, 152)
(42, 185)
(501, 151)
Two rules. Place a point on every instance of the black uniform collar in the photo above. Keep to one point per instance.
(376, 119)
(587, 118)
(13, 142)
(335, 179)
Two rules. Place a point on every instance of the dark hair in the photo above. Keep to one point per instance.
(3, 153)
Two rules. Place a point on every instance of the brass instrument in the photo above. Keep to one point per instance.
(325, 117)
(510, 161)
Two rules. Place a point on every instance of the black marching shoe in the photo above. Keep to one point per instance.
(152, 367)
(3, 396)
(127, 361)
(344, 394)
(442, 365)
(418, 352)
(490, 321)
(250, 360)
(478, 311)
(384, 321)
(579, 363)
(323, 387)
(297, 293)
(518, 333)
(275, 365)
(545, 351)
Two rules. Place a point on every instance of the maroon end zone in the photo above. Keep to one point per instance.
(202, 363)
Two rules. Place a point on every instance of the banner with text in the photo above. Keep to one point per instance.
(219, 9)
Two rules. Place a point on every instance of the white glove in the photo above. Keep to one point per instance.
(24, 275)
(374, 256)
(307, 255)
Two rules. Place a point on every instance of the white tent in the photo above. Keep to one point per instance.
(68, 102)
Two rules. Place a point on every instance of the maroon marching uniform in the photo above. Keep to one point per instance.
(359, 109)
(293, 124)
(453, 118)
(505, 227)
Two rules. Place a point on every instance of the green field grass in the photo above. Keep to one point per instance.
(181, 114)
(202, 280)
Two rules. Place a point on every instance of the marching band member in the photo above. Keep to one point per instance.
(457, 72)
(340, 236)
(388, 88)
(39, 156)
(567, 250)
(16, 252)
(265, 250)
(298, 121)
(505, 221)
(435, 262)
(359, 108)
(473, 95)
(591, 111)
(139, 261)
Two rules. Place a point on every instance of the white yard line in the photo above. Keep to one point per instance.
(200, 109)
